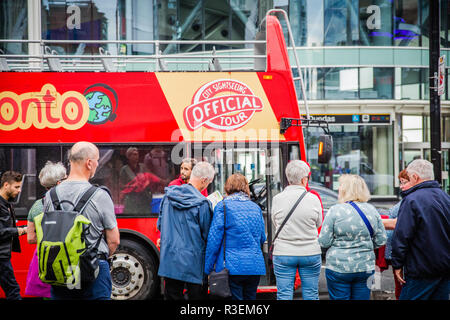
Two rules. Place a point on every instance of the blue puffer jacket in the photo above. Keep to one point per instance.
(244, 237)
(184, 221)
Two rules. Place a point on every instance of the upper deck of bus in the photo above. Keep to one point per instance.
(48, 106)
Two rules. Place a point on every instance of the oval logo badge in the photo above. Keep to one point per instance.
(222, 105)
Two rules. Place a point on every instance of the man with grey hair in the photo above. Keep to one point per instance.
(184, 221)
(421, 239)
(84, 157)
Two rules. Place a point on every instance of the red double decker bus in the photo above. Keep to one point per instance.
(238, 120)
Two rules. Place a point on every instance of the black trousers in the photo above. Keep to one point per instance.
(8, 280)
(174, 290)
(244, 287)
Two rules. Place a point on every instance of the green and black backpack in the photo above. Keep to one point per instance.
(65, 256)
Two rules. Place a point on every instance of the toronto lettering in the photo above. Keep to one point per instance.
(45, 109)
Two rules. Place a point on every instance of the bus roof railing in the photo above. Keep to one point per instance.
(48, 55)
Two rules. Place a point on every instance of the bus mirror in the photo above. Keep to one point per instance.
(325, 148)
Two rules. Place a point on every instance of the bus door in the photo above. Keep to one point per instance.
(261, 164)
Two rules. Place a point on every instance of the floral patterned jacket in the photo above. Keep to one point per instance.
(350, 247)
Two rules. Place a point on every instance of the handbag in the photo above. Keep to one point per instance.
(363, 217)
(219, 281)
(270, 253)
(35, 287)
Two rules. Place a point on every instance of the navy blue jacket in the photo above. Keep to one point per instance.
(244, 237)
(421, 239)
(184, 221)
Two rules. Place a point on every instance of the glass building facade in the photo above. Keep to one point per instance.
(358, 57)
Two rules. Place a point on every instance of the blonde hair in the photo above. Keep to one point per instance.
(352, 188)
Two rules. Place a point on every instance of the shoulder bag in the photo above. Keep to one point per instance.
(284, 222)
(363, 217)
(219, 281)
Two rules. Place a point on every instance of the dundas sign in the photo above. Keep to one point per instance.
(215, 108)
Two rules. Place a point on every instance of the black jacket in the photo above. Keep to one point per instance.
(421, 239)
(9, 236)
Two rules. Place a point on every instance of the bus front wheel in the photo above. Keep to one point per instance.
(133, 272)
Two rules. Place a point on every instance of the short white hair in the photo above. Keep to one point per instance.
(51, 173)
(296, 170)
(203, 170)
(423, 168)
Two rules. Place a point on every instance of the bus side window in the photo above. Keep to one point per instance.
(136, 177)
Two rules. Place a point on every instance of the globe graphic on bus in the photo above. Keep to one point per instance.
(100, 107)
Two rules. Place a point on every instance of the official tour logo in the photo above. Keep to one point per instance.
(212, 108)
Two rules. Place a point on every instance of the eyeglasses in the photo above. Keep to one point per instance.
(402, 183)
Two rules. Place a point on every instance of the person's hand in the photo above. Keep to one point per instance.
(22, 231)
(158, 243)
(399, 275)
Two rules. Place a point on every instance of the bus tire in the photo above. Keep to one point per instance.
(134, 272)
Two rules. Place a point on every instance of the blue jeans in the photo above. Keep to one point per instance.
(426, 289)
(285, 268)
(348, 286)
(100, 289)
(243, 287)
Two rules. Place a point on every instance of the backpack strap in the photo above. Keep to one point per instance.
(289, 214)
(85, 198)
(54, 198)
(104, 188)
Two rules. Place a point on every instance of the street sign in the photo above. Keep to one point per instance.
(441, 76)
(359, 119)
